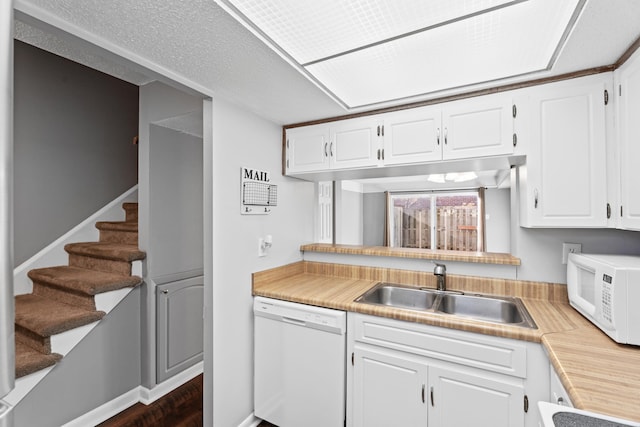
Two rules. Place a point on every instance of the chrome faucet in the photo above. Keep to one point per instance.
(440, 272)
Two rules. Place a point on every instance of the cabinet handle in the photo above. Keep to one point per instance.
(608, 211)
(325, 149)
(165, 292)
(382, 130)
(378, 154)
(514, 111)
(331, 149)
(438, 136)
(535, 198)
(383, 148)
(431, 396)
(353, 359)
(422, 393)
(515, 139)
(446, 134)
(378, 130)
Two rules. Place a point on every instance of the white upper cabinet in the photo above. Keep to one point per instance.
(337, 145)
(307, 148)
(628, 91)
(413, 136)
(465, 129)
(564, 183)
(354, 143)
(478, 127)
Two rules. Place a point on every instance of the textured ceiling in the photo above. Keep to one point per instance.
(202, 43)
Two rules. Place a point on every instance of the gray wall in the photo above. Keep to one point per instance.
(373, 222)
(175, 171)
(73, 151)
(103, 366)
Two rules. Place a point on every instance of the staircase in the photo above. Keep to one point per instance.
(63, 297)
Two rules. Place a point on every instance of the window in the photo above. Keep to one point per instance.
(436, 220)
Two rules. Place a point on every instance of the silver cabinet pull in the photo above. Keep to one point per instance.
(422, 393)
(325, 149)
(331, 149)
(535, 198)
(431, 395)
(446, 134)
(378, 154)
(438, 136)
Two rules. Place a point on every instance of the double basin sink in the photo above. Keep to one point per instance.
(503, 310)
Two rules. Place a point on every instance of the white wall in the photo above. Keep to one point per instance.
(497, 212)
(242, 139)
(349, 202)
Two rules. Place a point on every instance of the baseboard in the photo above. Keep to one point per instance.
(148, 396)
(250, 421)
(139, 394)
(108, 410)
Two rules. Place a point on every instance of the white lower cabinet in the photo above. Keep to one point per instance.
(466, 398)
(409, 374)
(389, 389)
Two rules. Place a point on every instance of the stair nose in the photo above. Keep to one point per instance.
(45, 317)
(29, 360)
(118, 232)
(104, 256)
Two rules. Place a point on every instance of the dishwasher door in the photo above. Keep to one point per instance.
(299, 364)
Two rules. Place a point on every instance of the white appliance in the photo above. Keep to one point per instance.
(553, 415)
(299, 364)
(606, 290)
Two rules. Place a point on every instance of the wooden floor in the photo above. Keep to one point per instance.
(180, 408)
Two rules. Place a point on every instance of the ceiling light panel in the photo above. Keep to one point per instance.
(506, 42)
(312, 30)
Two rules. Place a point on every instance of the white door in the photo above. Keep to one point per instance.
(566, 160)
(355, 143)
(461, 399)
(413, 136)
(478, 127)
(307, 148)
(629, 140)
(388, 390)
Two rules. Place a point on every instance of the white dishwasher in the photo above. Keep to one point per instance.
(299, 364)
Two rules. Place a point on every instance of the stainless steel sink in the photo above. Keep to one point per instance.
(399, 296)
(502, 310)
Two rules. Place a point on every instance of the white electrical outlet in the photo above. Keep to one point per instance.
(262, 251)
(570, 248)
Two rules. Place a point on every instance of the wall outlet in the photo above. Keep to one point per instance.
(570, 248)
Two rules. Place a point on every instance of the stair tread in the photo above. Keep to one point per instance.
(106, 250)
(29, 360)
(47, 317)
(131, 227)
(82, 280)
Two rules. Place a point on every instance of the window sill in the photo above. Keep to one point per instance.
(383, 251)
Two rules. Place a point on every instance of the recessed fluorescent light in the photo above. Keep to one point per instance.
(376, 51)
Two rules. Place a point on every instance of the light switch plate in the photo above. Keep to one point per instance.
(570, 248)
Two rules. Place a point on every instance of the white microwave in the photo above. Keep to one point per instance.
(606, 290)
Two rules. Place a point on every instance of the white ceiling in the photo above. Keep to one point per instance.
(203, 43)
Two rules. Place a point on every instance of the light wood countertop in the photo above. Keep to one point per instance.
(599, 375)
(438, 255)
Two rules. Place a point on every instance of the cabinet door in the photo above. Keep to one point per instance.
(629, 140)
(355, 143)
(478, 127)
(388, 389)
(307, 149)
(566, 162)
(413, 136)
(460, 398)
(179, 314)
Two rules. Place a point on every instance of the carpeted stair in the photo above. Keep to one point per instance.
(63, 296)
